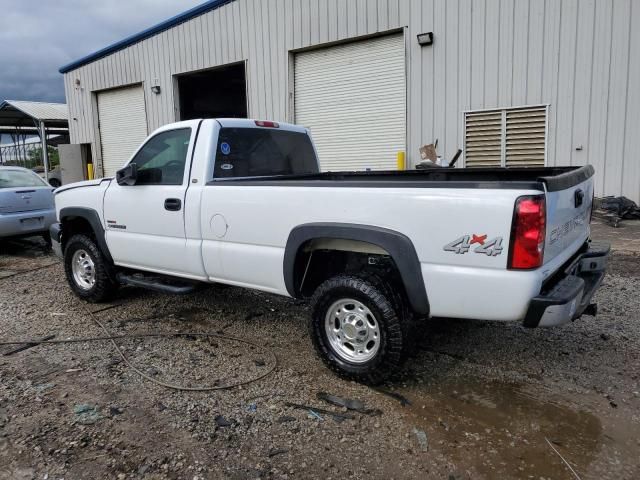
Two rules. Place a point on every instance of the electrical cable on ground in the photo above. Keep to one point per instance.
(20, 272)
(180, 387)
(112, 338)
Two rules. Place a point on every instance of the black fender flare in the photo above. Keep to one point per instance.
(399, 247)
(91, 216)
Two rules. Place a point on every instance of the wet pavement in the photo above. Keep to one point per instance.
(503, 430)
(488, 399)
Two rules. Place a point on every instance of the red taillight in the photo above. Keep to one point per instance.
(264, 123)
(528, 233)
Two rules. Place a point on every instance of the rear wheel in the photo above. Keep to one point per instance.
(357, 329)
(87, 271)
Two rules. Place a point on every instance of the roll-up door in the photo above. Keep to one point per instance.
(123, 125)
(353, 98)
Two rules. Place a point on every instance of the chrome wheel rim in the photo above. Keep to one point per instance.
(352, 330)
(83, 269)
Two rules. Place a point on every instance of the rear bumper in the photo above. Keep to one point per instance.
(572, 290)
(26, 223)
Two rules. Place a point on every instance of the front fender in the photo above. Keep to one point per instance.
(92, 217)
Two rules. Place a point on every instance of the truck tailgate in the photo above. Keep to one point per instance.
(569, 201)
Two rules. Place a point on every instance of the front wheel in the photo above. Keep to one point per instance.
(357, 330)
(87, 271)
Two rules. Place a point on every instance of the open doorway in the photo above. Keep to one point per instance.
(216, 93)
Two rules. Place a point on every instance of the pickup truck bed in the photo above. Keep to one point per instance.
(540, 178)
(243, 202)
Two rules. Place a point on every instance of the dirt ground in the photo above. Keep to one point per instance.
(487, 400)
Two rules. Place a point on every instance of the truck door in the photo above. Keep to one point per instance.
(145, 227)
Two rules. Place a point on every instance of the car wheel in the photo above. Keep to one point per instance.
(88, 273)
(357, 330)
(47, 240)
(54, 182)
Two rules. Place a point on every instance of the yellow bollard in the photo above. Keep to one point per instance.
(402, 164)
(89, 171)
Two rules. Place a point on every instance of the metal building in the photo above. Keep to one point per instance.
(512, 82)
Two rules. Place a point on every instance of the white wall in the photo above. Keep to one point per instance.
(580, 56)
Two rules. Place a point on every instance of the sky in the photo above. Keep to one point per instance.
(37, 37)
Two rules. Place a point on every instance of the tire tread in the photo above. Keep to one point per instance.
(105, 286)
(395, 337)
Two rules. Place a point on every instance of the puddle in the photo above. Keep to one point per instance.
(496, 430)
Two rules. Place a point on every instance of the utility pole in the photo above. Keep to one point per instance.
(45, 152)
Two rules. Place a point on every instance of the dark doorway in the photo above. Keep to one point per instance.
(216, 93)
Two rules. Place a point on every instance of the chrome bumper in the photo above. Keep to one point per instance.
(572, 290)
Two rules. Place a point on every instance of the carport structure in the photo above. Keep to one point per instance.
(21, 119)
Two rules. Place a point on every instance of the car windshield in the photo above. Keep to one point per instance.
(19, 178)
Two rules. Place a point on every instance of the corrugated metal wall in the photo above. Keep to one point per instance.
(582, 57)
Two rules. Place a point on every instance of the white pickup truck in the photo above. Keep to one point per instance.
(242, 202)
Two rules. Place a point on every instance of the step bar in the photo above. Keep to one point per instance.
(158, 283)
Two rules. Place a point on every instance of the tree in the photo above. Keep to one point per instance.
(35, 157)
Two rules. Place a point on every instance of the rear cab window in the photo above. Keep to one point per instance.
(20, 178)
(259, 152)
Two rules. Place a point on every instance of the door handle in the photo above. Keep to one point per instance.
(173, 204)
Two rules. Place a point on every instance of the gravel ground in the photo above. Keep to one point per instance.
(488, 400)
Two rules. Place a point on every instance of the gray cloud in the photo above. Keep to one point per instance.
(37, 37)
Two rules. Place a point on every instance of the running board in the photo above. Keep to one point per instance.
(157, 283)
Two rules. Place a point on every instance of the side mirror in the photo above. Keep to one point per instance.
(127, 175)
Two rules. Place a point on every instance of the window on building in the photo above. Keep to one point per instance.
(510, 137)
(161, 161)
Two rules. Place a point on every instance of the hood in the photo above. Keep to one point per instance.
(85, 183)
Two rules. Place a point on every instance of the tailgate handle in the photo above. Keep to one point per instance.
(578, 198)
(173, 204)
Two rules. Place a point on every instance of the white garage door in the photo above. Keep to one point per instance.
(353, 98)
(123, 126)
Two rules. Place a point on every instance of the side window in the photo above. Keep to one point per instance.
(161, 161)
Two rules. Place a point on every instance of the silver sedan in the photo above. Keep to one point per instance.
(26, 204)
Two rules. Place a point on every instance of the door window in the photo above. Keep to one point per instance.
(162, 160)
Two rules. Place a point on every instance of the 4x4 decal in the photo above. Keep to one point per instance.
(460, 246)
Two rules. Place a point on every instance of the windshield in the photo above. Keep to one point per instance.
(247, 152)
(19, 178)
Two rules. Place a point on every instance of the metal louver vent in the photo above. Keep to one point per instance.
(513, 137)
(483, 139)
(525, 142)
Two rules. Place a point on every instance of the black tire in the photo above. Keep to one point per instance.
(47, 240)
(412, 325)
(105, 285)
(54, 182)
(391, 322)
